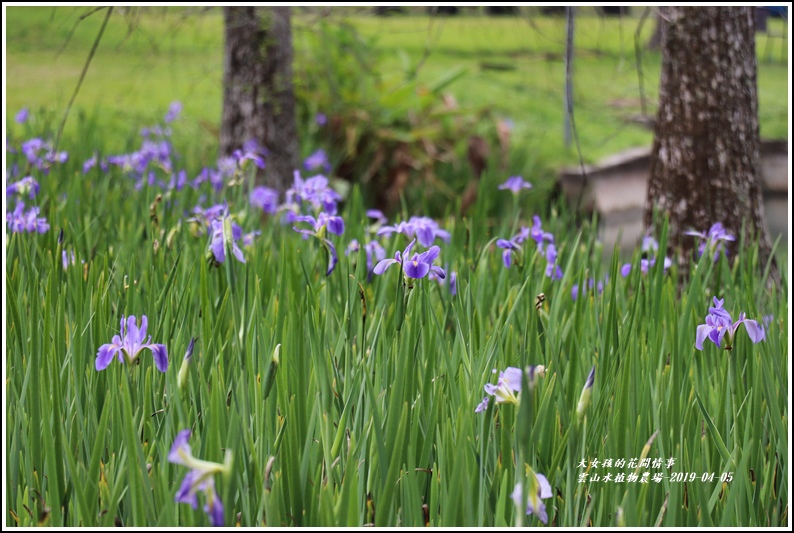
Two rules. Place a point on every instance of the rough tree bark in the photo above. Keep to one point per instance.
(705, 165)
(258, 96)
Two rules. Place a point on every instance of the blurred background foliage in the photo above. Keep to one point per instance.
(417, 105)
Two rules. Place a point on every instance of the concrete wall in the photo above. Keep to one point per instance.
(616, 189)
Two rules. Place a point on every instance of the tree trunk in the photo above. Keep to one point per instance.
(705, 165)
(258, 97)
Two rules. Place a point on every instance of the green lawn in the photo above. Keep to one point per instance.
(151, 56)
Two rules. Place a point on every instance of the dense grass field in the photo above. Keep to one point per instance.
(346, 397)
(291, 375)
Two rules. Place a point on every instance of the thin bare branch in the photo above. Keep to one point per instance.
(82, 77)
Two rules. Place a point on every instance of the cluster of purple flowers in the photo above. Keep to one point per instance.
(424, 229)
(264, 198)
(227, 168)
(650, 247)
(41, 155)
(540, 489)
(127, 345)
(645, 266)
(20, 220)
(373, 251)
(94, 161)
(200, 478)
(26, 185)
(310, 196)
(68, 258)
(153, 164)
(222, 232)
(589, 287)
(545, 246)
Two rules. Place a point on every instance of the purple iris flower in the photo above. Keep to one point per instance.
(513, 245)
(421, 264)
(248, 238)
(41, 155)
(509, 247)
(373, 249)
(177, 181)
(315, 191)
(241, 156)
(317, 160)
(553, 270)
(354, 246)
(173, 112)
(130, 342)
(152, 154)
(452, 279)
(200, 478)
(68, 259)
(324, 222)
(426, 230)
(223, 231)
(535, 505)
(18, 220)
(514, 184)
(483, 405)
(508, 384)
(22, 116)
(713, 240)
(91, 163)
(719, 324)
(418, 266)
(377, 216)
(206, 216)
(320, 119)
(649, 244)
(265, 199)
(32, 148)
(335, 224)
(538, 235)
(25, 185)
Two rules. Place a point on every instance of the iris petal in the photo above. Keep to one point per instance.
(105, 355)
(702, 333)
(160, 353)
(755, 331)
